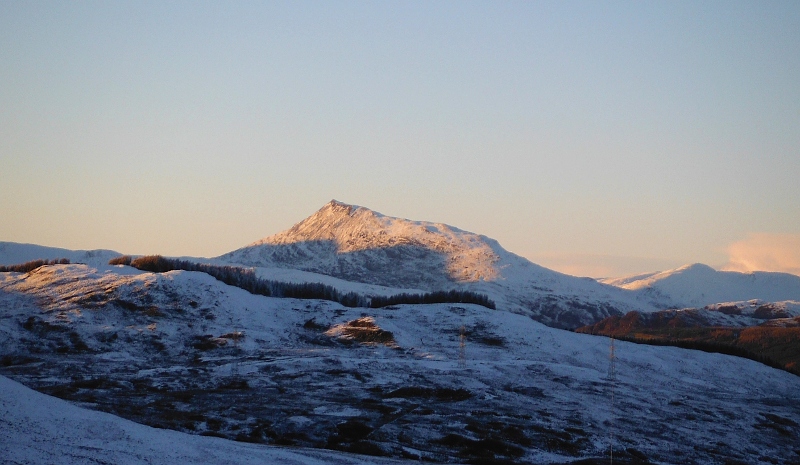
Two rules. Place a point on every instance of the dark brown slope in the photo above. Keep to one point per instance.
(775, 342)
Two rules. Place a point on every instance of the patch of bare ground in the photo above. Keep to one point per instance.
(363, 331)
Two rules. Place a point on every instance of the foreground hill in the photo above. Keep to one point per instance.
(43, 430)
(700, 285)
(359, 245)
(443, 382)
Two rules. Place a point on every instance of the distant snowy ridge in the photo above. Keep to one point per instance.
(699, 285)
(12, 253)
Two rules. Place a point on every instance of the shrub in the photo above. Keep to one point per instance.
(154, 263)
(121, 260)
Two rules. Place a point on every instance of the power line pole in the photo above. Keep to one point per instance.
(235, 364)
(612, 380)
(236, 335)
(462, 340)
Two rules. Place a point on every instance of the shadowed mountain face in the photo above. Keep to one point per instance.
(360, 245)
(402, 266)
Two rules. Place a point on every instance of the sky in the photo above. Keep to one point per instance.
(594, 138)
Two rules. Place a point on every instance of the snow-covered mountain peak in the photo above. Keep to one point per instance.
(696, 268)
(359, 245)
(348, 229)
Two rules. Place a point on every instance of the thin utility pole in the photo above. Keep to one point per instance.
(612, 380)
(462, 340)
(236, 336)
(235, 364)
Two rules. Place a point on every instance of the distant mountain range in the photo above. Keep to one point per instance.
(357, 249)
(449, 382)
(357, 244)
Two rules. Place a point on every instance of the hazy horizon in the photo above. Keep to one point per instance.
(596, 139)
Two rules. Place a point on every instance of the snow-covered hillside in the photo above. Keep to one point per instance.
(12, 253)
(359, 245)
(700, 285)
(183, 351)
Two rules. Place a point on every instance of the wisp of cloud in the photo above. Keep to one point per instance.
(765, 252)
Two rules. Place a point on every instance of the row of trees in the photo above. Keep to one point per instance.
(245, 278)
(436, 297)
(27, 267)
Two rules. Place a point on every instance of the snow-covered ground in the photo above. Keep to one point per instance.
(40, 429)
(162, 349)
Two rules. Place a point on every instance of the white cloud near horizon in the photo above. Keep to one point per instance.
(765, 252)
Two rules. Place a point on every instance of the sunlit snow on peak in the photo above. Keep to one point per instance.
(468, 256)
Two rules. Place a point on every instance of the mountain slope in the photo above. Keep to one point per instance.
(700, 285)
(358, 244)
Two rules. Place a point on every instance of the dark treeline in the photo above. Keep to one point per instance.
(437, 297)
(246, 279)
(27, 267)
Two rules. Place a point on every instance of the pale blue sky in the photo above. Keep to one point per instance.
(594, 137)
